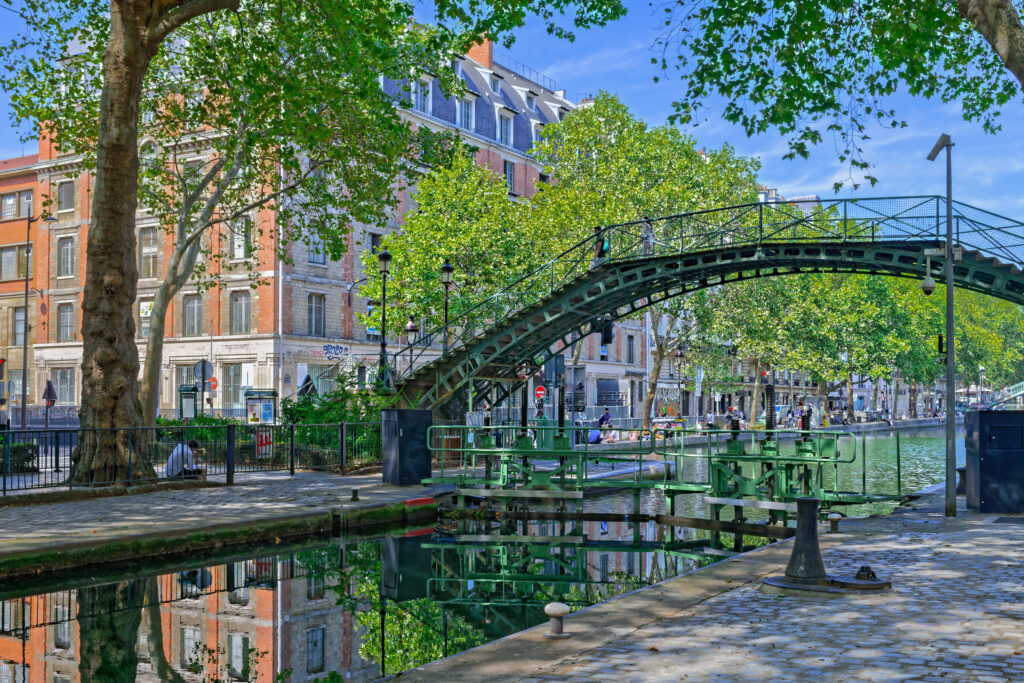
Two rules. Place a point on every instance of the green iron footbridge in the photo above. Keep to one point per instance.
(504, 339)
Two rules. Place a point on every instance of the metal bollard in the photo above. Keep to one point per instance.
(805, 565)
(556, 611)
(355, 494)
(833, 522)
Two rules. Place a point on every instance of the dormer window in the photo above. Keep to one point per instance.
(538, 135)
(421, 96)
(495, 84)
(531, 102)
(505, 129)
(467, 113)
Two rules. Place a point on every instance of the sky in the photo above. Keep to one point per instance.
(988, 170)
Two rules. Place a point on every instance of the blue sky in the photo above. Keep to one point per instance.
(988, 169)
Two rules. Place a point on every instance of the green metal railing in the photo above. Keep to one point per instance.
(825, 222)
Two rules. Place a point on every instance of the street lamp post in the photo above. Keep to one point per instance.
(945, 142)
(24, 322)
(981, 387)
(680, 354)
(384, 261)
(446, 279)
(411, 335)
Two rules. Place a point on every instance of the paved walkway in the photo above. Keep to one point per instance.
(252, 498)
(956, 613)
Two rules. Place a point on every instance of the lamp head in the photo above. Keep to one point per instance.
(446, 272)
(943, 141)
(384, 260)
(411, 330)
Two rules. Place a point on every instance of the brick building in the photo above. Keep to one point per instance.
(302, 320)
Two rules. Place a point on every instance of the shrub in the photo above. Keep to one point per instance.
(22, 458)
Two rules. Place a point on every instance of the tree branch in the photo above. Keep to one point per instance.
(175, 14)
(1000, 24)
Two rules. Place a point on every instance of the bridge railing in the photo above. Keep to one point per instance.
(835, 221)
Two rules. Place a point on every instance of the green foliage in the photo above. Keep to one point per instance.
(811, 70)
(346, 402)
(22, 458)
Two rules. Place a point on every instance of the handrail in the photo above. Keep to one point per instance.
(915, 218)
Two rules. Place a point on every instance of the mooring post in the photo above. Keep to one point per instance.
(805, 564)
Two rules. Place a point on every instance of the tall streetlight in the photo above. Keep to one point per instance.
(981, 387)
(447, 271)
(24, 323)
(680, 355)
(412, 333)
(945, 142)
(384, 261)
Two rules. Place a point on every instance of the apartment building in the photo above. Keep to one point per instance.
(302, 319)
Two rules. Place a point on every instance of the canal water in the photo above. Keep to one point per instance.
(350, 610)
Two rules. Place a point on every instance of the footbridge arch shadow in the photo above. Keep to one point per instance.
(506, 337)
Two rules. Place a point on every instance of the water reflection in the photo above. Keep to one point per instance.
(333, 611)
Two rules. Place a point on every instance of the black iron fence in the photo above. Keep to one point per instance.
(65, 458)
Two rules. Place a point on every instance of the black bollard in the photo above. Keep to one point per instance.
(805, 565)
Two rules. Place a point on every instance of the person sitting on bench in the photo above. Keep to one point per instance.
(181, 464)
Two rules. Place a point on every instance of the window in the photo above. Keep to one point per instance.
(61, 678)
(510, 176)
(315, 650)
(239, 312)
(19, 325)
(16, 205)
(538, 134)
(238, 656)
(317, 254)
(147, 252)
(314, 584)
(505, 130)
(66, 197)
(315, 315)
(61, 628)
(14, 618)
(375, 242)
(531, 102)
(421, 96)
(630, 353)
(184, 374)
(496, 84)
(372, 333)
(15, 382)
(241, 238)
(142, 644)
(145, 316)
(65, 256)
(64, 382)
(233, 386)
(13, 261)
(323, 378)
(190, 654)
(65, 322)
(193, 315)
(467, 109)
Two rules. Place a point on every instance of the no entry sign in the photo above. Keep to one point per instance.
(540, 392)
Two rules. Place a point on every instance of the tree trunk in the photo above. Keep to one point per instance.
(913, 399)
(110, 359)
(657, 358)
(851, 412)
(895, 399)
(108, 630)
(874, 396)
(154, 354)
(999, 22)
(156, 635)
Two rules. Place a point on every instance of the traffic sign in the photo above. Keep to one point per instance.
(540, 392)
(203, 370)
(49, 394)
(213, 383)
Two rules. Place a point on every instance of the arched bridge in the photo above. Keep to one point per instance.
(655, 259)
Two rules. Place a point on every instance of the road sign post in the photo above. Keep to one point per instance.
(540, 392)
(203, 371)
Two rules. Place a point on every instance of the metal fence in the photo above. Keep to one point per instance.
(66, 458)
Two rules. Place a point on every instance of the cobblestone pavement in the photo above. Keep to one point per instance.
(955, 614)
(254, 497)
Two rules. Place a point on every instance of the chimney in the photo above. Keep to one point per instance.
(482, 53)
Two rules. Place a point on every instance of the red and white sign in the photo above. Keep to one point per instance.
(540, 392)
(213, 383)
